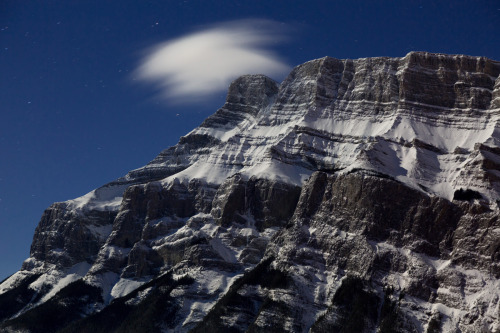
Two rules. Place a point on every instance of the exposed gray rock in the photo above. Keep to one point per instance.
(357, 195)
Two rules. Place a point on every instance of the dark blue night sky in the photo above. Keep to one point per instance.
(74, 115)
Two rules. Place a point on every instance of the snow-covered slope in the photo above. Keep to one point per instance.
(341, 178)
(424, 119)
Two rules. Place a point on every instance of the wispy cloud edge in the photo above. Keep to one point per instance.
(204, 63)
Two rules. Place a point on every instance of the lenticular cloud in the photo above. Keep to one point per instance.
(200, 64)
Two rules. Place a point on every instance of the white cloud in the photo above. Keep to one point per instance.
(200, 64)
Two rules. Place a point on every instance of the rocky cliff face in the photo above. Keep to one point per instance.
(356, 196)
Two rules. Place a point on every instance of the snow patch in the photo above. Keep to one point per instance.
(124, 287)
(106, 198)
(102, 232)
(278, 171)
(57, 279)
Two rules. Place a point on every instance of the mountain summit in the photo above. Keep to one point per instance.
(356, 196)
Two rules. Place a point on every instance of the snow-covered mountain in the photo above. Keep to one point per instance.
(356, 196)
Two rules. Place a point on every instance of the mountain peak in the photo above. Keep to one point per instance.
(375, 178)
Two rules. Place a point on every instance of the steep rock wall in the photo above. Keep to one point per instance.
(289, 200)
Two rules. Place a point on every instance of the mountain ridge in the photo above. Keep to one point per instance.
(297, 180)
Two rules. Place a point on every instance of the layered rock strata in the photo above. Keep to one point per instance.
(365, 188)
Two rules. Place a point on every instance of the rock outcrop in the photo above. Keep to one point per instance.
(356, 196)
